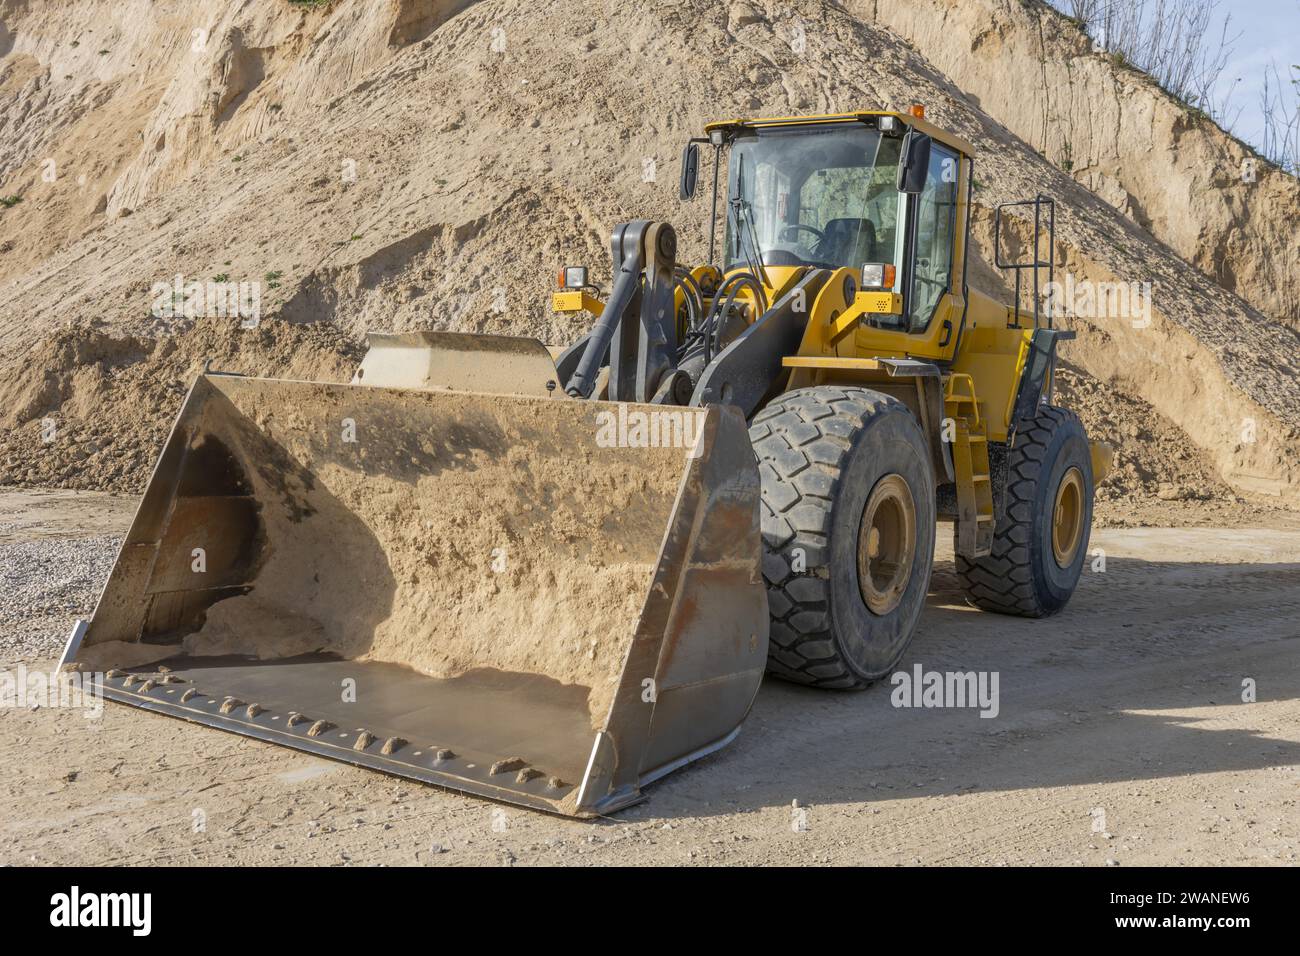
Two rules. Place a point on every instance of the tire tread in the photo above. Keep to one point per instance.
(803, 437)
(1003, 580)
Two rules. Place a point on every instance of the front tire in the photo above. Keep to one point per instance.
(1041, 539)
(848, 520)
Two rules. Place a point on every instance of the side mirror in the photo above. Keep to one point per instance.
(915, 162)
(690, 170)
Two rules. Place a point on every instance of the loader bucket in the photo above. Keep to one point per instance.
(535, 599)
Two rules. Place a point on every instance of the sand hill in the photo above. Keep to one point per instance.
(397, 165)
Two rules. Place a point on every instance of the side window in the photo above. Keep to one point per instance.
(936, 217)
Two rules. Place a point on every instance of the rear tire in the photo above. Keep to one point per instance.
(1041, 539)
(848, 520)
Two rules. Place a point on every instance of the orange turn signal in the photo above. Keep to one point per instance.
(878, 275)
(572, 277)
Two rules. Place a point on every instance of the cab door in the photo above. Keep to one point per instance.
(931, 240)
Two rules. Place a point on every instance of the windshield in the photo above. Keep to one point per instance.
(818, 197)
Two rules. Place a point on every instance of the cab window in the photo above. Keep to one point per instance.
(936, 223)
(814, 196)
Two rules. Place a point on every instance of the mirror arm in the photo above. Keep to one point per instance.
(713, 206)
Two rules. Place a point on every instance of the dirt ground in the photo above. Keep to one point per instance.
(1121, 739)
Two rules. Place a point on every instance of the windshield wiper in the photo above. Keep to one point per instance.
(741, 205)
(743, 210)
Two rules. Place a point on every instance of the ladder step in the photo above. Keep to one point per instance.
(979, 478)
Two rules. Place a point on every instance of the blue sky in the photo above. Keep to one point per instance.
(1265, 30)
(1270, 30)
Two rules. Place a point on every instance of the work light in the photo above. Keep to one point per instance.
(878, 275)
(573, 277)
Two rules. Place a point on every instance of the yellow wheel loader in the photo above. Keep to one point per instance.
(551, 576)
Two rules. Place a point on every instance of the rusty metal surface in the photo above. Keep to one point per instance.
(245, 472)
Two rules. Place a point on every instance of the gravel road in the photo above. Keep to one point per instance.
(45, 586)
(56, 549)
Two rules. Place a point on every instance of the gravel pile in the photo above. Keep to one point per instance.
(45, 585)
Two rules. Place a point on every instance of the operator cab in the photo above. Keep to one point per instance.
(828, 193)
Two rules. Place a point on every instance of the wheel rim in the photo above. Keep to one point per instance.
(886, 544)
(1067, 518)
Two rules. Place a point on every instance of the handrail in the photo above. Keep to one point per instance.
(1037, 262)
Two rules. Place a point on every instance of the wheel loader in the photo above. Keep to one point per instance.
(550, 576)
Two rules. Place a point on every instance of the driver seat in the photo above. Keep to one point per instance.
(848, 242)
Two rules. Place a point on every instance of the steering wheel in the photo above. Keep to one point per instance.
(797, 228)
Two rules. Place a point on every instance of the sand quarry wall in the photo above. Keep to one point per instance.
(397, 165)
(1205, 194)
(122, 100)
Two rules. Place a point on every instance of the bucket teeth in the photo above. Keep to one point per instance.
(505, 766)
(189, 692)
(115, 673)
(254, 710)
(229, 704)
(555, 783)
(364, 740)
(318, 728)
(528, 773)
(444, 754)
(294, 719)
(128, 680)
(392, 745)
(149, 685)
